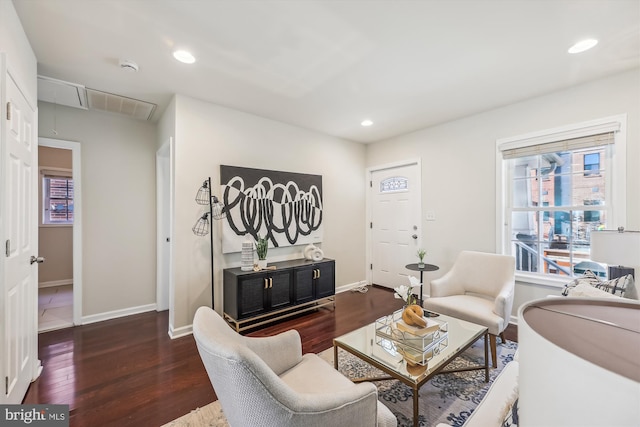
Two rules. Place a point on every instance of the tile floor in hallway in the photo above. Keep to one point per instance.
(55, 308)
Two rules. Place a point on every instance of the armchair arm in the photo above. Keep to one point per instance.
(445, 286)
(504, 302)
(280, 352)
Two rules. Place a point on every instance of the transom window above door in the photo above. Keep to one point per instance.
(394, 183)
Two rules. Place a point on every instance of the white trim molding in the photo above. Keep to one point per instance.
(180, 332)
(368, 204)
(76, 158)
(54, 283)
(109, 315)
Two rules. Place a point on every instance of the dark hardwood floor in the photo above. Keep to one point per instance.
(128, 372)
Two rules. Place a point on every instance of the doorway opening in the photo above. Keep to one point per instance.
(59, 277)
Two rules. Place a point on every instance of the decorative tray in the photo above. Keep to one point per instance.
(409, 353)
(417, 348)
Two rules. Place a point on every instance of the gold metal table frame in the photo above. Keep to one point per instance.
(462, 335)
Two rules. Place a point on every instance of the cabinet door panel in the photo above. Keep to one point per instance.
(303, 285)
(251, 299)
(280, 290)
(325, 283)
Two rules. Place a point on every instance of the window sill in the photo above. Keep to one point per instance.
(557, 282)
(55, 225)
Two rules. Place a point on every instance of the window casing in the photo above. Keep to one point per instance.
(552, 194)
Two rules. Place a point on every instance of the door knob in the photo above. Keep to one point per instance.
(39, 259)
(415, 236)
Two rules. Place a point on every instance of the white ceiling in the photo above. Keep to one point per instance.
(327, 65)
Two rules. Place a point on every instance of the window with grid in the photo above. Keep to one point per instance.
(555, 193)
(57, 200)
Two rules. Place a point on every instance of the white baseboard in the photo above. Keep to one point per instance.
(182, 331)
(350, 286)
(117, 313)
(53, 283)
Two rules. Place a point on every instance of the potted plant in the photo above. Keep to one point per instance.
(421, 254)
(262, 245)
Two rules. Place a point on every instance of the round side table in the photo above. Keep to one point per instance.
(421, 269)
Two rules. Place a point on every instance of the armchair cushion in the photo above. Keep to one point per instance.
(473, 309)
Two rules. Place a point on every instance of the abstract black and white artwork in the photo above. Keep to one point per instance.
(286, 207)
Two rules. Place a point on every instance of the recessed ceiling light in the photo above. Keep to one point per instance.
(583, 45)
(184, 56)
(366, 122)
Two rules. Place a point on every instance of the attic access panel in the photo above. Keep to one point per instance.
(62, 93)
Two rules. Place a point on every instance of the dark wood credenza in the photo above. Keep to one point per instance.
(255, 298)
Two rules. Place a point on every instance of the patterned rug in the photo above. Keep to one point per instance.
(446, 398)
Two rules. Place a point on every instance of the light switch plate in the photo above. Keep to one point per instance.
(431, 216)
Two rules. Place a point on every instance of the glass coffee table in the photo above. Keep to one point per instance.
(379, 345)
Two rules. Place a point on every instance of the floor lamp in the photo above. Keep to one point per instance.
(202, 227)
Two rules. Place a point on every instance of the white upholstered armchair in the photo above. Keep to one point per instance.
(479, 289)
(268, 382)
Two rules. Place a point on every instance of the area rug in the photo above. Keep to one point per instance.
(446, 398)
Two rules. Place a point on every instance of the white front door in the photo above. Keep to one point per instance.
(395, 223)
(19, 216)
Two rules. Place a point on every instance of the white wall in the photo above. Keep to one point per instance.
(208, 136)
(119, 212)
(459, 164)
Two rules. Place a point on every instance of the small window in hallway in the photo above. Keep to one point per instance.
(58, 200)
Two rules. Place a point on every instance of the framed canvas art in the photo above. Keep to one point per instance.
(286, 207)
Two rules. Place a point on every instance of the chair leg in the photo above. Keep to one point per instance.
(502, 340)
(494, 352)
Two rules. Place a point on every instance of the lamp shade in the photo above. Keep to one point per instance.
(616, 248)
(202, 226)
(204, 194)
(579, 362)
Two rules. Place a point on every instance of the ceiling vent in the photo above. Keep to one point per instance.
(118, 104)
(62, 93)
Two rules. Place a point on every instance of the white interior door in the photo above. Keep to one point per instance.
(395, 223)
(20, 284)
(163, 206)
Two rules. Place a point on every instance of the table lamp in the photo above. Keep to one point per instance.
(620, 250)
